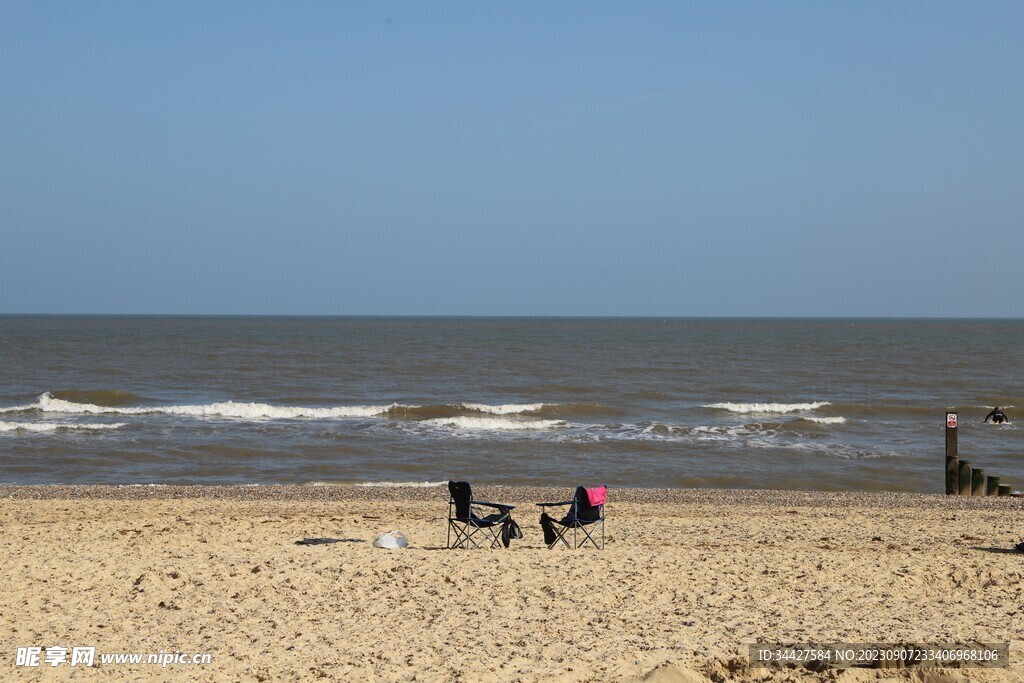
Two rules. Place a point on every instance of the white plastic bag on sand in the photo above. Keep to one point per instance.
(392, 540)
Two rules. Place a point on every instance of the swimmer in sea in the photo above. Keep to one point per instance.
(997, 415)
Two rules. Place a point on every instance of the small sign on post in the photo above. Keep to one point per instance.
(952, 460)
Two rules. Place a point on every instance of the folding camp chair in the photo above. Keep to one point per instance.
(586, 514)
(466, 529)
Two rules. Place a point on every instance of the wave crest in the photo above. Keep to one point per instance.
(48, 427)
(494, 424)
(838, 420)
(48, 403)
(461, 409)
(109, 405)
(504, 409)
(768, 407)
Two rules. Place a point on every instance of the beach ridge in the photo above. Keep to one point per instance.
(689, 578)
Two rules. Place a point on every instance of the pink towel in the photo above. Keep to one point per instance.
(597, 496)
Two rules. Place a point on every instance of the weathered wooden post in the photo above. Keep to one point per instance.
(991, 486)
(952, 464)
(1004, 489)
(977, 481)
(965, 478)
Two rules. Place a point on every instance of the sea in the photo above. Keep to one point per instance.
(819, 404)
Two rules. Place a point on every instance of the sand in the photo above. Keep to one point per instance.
(687, 581)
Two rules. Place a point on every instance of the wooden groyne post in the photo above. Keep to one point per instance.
(991, 486)
(952, 463)
(965, 478)
(977, 481)
(961, 478)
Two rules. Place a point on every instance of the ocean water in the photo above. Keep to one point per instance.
(794, 404)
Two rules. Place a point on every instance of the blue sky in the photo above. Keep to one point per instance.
(577, 158)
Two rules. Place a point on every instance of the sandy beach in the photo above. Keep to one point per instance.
(688, 580)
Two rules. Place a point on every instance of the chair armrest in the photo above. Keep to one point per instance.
(498, 506)
(564, 502)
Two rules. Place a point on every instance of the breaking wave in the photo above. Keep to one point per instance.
(505, 409)
(494, 424)
(768, 407)
(838, 420)
(48, 403)
(109, 403)
(456, 409)
(47, 427)
(467, 409)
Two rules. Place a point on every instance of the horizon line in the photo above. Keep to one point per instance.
(487, 316)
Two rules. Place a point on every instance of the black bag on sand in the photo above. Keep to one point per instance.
(510, 530)
(549, 531)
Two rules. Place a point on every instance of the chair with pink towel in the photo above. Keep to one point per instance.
(585, 518)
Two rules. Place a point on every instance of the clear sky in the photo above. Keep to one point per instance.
(498, 158)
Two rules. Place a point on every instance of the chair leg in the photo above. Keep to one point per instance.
(581, 535)
(586, 534)
(469, 537)
(471, 542)
(559, 536)
(463, 536)
(594, 541)
(586, 537)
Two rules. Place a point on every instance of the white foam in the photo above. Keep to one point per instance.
(657, 428)
(720, 429)
(768, 407)
(48, 404)
(493, 423)
(725, 432)
(20, 409)
(46, 427)
(263, 410)
(504, 409)
(826, 420)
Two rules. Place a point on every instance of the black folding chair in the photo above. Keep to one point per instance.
(585, 518)
(466, 529)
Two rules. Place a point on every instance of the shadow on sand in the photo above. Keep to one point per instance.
(322, 541)
(1012, 551)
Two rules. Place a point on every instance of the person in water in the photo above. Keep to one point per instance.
(997, 415)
